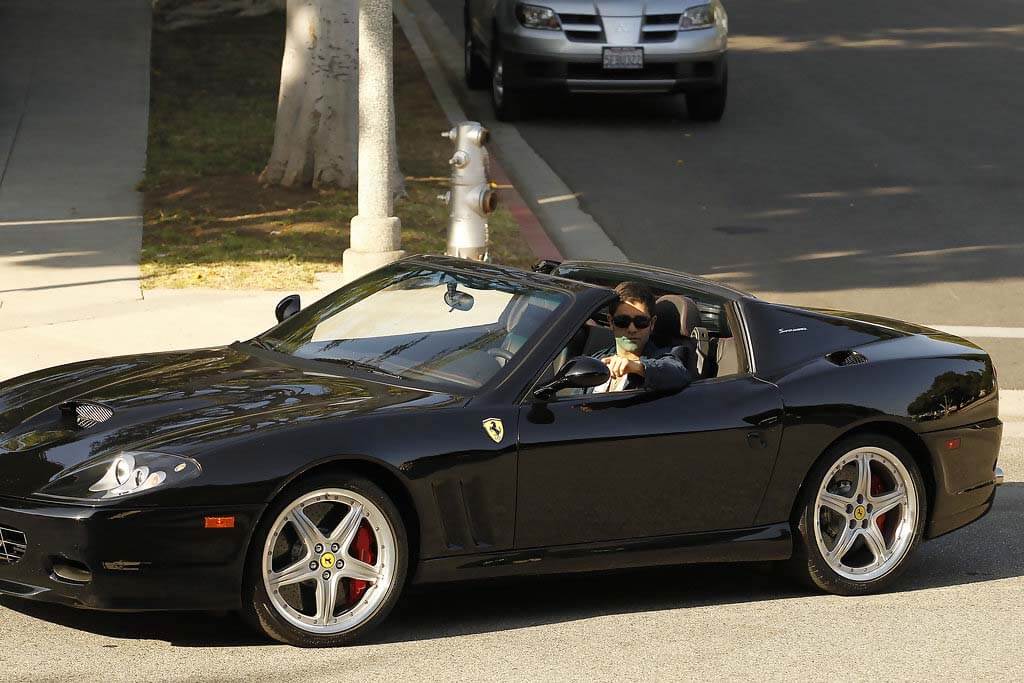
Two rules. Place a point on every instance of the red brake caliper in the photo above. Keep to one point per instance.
(362, 548)
(876, 488)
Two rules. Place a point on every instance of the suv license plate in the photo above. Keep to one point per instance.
(623, 57)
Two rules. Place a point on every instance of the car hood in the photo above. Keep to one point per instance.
(158, 398)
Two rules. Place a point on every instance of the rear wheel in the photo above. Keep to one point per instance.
(708, 105)
(327, 564)
(507, 102)
(477, 76)
(862, 516)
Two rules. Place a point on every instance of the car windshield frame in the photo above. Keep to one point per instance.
(285, 338)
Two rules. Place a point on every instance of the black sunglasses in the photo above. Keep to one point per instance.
(641, 322)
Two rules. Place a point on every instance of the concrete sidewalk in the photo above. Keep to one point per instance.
(74, 106)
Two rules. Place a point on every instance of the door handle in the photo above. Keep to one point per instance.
(756, 440)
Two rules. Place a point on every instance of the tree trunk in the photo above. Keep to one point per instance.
(317, 110)
(316, 131)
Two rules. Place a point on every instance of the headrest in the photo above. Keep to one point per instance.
(524, 317)
(677, 316)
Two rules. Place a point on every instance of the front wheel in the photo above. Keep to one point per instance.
(328, 562)
(862, 515)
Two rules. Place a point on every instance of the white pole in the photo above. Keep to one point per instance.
(376, 234)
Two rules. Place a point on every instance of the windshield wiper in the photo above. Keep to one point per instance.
(349, 363)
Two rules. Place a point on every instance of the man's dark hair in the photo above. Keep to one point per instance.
(633, 291)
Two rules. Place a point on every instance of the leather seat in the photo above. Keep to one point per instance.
(522, 319)
(676, 317)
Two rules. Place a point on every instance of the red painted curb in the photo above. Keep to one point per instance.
(530, 228)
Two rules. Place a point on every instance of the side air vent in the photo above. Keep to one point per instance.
(86, 413)
(846, 357)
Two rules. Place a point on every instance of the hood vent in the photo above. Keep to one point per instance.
(86, 413)
(846, 357)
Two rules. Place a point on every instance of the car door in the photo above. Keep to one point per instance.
(604, 467)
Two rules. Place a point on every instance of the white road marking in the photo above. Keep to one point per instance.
(54, 221)
(559, 198)
(969, 331)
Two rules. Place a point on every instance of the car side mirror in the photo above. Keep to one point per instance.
(287, 307)
(582, 372)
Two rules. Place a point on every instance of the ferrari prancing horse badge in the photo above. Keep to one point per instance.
(494, 429)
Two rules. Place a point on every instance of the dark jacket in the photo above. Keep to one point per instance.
(664, 369)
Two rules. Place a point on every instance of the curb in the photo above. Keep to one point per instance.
(555, 210)
(529, 225)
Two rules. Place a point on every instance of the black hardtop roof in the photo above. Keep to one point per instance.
(627, 271)
(482, 269)
(639, 271)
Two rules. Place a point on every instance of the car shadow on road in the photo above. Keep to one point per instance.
(988, 550)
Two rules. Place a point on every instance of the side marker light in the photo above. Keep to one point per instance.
(952, 444)
(219, 522)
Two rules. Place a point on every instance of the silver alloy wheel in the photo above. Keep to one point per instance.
(321, 560)
(864, 525)
(498, 80)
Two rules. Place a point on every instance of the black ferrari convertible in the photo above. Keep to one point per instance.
(436, 421)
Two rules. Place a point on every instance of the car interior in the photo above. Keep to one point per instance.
(691, 319)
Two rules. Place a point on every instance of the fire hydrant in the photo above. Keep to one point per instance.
(472, 196)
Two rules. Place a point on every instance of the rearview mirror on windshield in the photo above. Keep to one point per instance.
(456, 300)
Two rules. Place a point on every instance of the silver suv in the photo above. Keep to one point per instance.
(601, 46)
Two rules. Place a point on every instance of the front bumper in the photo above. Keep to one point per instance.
(136, 558)
(966, 477)
(535, 59)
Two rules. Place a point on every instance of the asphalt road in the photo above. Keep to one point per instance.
(956, 613)
(869, 159)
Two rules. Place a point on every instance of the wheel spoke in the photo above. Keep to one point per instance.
(326, 599)
(863, 474)
(304, 527)
(345, 532)
(296, 573)
(843, 544)
(357, 569)
(876, 542)
(887, 501)
(834, 502)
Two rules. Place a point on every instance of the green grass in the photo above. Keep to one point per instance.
(209, 223)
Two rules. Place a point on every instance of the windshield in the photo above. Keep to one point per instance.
(421, 323)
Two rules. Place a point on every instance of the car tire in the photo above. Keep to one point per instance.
(290, 606)
(507, 102)
(848, 540)
(477, 75)
(708, 105)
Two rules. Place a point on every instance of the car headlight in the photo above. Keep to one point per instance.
(700, 16)
(120, 476)
(532, 16)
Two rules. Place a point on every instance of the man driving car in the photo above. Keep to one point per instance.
(635, 362)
